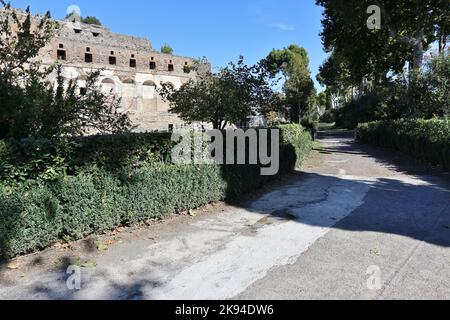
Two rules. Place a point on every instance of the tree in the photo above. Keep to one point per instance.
(293, 63)
(324, 100)
(408, 28)
(227, 97)
(75, 17)
(426, 94)
(91, 20)
(166, 49)
(30, 104)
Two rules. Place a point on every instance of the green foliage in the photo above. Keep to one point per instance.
(361, 59)
(298, 87)
(75, 17)
(295, 136)
(425, 140)
(31, 105)
(40, 160)
(437, 78)
(368, 107)
(407, 30)
(156, 192)
(166, 49)
(324, 100)
(423, 95)
(91, 20)
(108, 181)
(29, 219)
(328, 117)
(231, 96)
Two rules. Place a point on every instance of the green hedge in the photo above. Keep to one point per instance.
(92, 193)
(425, 140)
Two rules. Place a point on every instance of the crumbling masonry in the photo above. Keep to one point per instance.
(131, 69)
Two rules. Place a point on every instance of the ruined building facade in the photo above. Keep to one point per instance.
(130, 68)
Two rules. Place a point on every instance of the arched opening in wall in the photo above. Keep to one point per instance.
(129, 94)
(171, 67)
(108, 86)
(149, 96)
(149, 89)
(128, 81)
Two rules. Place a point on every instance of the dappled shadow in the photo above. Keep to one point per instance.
(416, 206)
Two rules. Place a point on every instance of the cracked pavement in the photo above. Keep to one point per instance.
(315, 237)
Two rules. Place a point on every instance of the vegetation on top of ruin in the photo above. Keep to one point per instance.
(91, 20)
(75, 17)
(166, 49)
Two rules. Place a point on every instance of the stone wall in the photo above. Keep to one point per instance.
(131, 69)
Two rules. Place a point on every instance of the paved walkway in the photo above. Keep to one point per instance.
(361, 224)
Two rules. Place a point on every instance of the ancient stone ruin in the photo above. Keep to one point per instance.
(131, 69)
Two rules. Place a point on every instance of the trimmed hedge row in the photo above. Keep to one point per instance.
(425, 140)
(103, 195)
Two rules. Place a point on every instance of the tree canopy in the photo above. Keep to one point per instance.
(166, 49)
(227, 97)
(91, 20)
(75, 17)
(31, 106)
(357, 52)
(293, 63)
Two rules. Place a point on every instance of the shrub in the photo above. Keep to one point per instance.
(294, 138)
(29, 219)
(97, 194)
(327, 117)
(425, 140)
(366, 108)
(155, 192)
(166, 49)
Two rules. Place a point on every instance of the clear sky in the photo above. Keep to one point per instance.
(221, 30)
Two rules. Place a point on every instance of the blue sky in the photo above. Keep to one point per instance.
(221, 30)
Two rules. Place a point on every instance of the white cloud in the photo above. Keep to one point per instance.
(282, 26)
(273, 22)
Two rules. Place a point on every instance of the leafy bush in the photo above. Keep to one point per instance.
(166, 49)
(366, 108)
(30, 219)
(426, 140)
(108, 181)
(91, 20)
(421, 94)
(327, 117)
(294, 138)
(37, 160)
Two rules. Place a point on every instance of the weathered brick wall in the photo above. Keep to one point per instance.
(134, 76)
